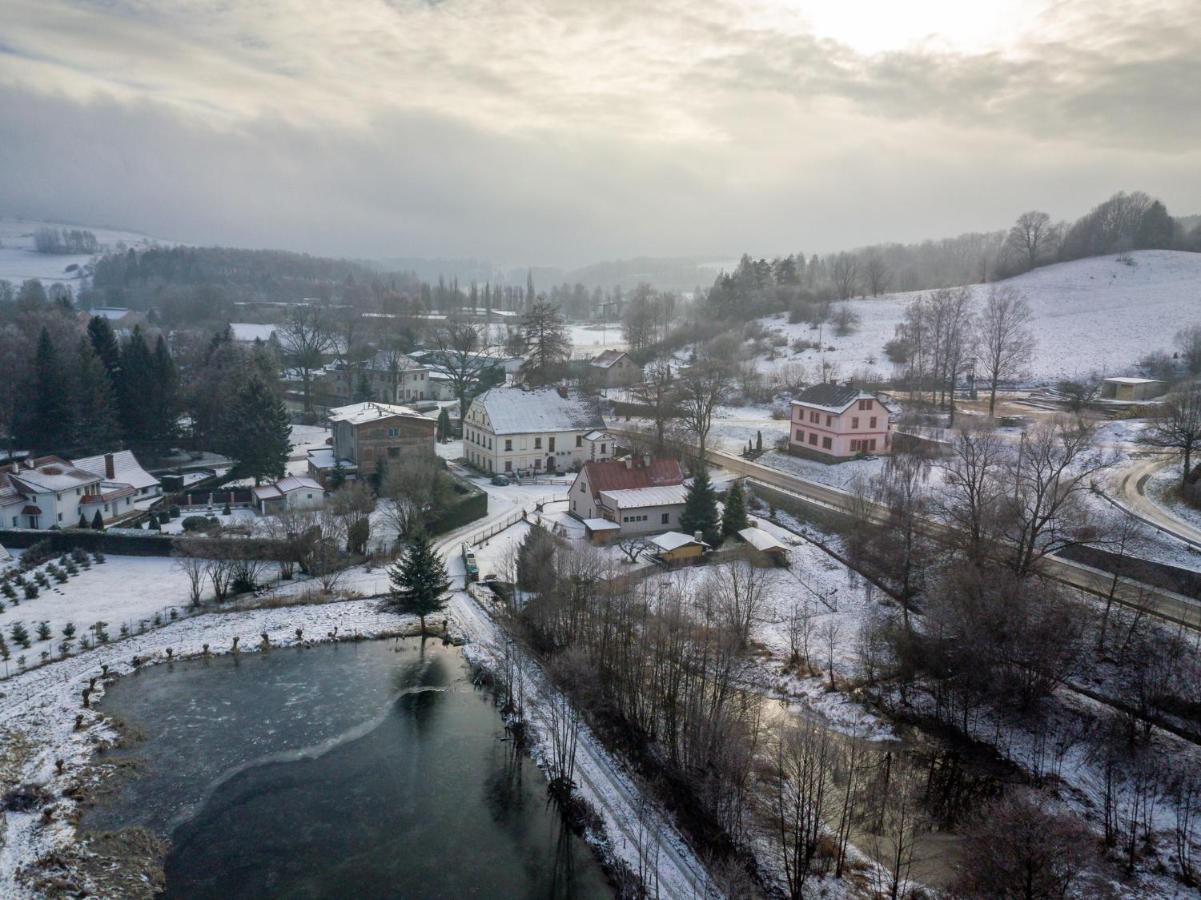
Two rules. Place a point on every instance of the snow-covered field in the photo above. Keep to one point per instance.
(589, 340)
(1091, 315)
(19, 261)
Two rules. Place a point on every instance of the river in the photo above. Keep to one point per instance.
(370, 769)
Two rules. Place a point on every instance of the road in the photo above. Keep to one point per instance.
(1127, 489)
(1167, 605)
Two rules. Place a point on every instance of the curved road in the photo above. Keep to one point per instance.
(1128, 485)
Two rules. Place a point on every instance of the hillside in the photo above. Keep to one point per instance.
(19, 261)
(1090, 315)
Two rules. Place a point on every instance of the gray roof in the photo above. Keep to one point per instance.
(512, 410)
(832, 396)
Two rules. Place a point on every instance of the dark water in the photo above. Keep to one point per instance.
(347, 770)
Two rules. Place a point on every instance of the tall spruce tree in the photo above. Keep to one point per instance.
(97, 424)
(256, 431)
(700, 509)
(104, 342)
(419, 582)
(135, 388)
(164, 403)
(548, 345)
(733, 518)
(46, 423)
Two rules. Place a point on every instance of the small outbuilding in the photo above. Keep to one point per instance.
(675, 548)
(601, 531)
(1132, 390)
(766, 545)
(294, 492)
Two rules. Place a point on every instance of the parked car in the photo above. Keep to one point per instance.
(500, 480)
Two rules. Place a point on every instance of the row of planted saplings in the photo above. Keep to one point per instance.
(26, 584)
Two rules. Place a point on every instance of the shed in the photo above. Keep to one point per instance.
(675, 547)
(601, 531)
(764, 543)
(1131, 390)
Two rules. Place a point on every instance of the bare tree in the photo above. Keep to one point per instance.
(844, 274)
(740, 590)
(875, 272)
(463, 353)
(1032, 238)
(660, 394)
(703, 387)
(354, 503)
(1004, 341)
(306, 338)
(972, 489)
(547, 342)
(796, 799)
(1176, 425)
(632, 546)
(413, 487)
(194, 569)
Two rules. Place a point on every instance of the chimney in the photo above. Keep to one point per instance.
(110, 471)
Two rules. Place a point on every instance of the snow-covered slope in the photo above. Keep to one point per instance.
(1090, 315)
(19, 261)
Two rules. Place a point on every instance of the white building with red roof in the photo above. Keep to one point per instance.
(641, 495)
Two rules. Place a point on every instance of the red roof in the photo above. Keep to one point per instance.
(31, 511)
(612, 475)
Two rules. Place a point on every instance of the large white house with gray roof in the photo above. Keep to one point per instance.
(521, 431)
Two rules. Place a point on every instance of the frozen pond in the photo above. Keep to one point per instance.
(358, 770)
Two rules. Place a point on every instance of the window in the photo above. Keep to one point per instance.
(826, 443)
(537, 464)
(393, 432)
(800, 436)
(583, 488)
(60, 517)
(666, 519)
(814, 417)
(550, 444)
(829, 421)
(813, 438)
(508, 446)
(872, 423)
(579, 440)
(855, 446)
(537, 443)
(854, 421)
(871, 444)
(508, 465)
(489, 443)
(603, 448)
(865, 405)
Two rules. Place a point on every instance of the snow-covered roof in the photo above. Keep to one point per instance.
(1123, 379)
(835, 398)
(607, 358)
(630, 474)
(53, 474)
(760, 539)
(286, 486)
(323, 458)
(517, 411)
(641, 498)
(126, 469)
(112, 313)
(370, 411)
(252, 331)
(595, 436)
(674, 540)
(601, 525)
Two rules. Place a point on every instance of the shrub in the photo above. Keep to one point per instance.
(194, 523)
(20, 634)
(43, 631)
(31, 591)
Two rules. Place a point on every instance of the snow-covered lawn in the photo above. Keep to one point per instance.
(589, 340)
(839, 475)
(1090, 315)
(124, 590)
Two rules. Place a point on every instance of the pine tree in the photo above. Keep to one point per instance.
(733, 518)
(46, 422)
(700, 509)
(256, 431)
(759, 441)
(362, 389)
(83, 520)
(96, 423)
(419, 582)
(136, 388)
(104, 342)
(444, 425)
(548, 344)
(164, 405)
(97, 521)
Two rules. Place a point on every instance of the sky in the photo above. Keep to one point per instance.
(561, 133)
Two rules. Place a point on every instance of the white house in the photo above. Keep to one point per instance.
(614, 368)
(641, 495)
(122, 467)
(49, 492)
(517, 430)
(297, 492)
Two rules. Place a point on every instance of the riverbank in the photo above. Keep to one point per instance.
(49, 738)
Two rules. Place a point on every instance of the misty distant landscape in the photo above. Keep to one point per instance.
(563, 450)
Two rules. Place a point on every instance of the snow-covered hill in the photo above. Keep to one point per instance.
(1090, 315)
(19, 261)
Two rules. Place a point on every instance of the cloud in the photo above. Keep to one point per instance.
(543, 132)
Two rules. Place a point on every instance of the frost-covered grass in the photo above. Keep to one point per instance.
(19, 261)
(1090, 315)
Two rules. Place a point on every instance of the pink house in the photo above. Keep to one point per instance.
(839, 422)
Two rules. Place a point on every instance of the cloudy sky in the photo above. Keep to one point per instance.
(567, 131)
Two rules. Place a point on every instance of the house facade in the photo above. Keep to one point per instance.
(49, 492)
(296, 492)
(366, 435)
(837, 422)
(387, 377)
(523, 431)
(614, 368)
(641, 495)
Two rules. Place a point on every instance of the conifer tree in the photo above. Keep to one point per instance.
(733, 518)
(362, 389)
(547, 342)
(96, 419)
(700, 509)
(46, 421)
(164, 405)
(444, 425)
(97, 521)
(419, 582)
(256, 431)
(135, 388)
(104, 342)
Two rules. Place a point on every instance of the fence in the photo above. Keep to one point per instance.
(496, 528)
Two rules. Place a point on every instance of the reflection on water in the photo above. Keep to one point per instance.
(356, 770)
